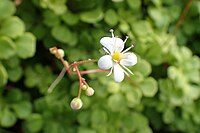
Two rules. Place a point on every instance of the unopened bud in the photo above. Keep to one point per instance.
(89, 91)
(76, 103)
(60, 53)
(84, 87)
(52, 50)
(74, 69)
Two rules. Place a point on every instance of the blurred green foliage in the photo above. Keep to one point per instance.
(163, 95)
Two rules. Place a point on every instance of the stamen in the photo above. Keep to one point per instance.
(106, 50)
(127, 49)
(126, 73)
(126, 69)
(110, 72)
(126, 39)
(112, 33)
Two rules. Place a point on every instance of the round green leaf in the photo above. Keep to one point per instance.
(115, 101)
(26, 45)
(14, 74)
(3, 75)
(134, 4)
(50, 18)
(139, 26)
(168, 116)
(143, 67)
(61, 33)
(12, 27)
(7, 48)
(14, 95)
(86, 130)
(111, 17)
(7, 8)
(98, 117)
(149, 87)
(33, 124)
(83, 118)
(70, 19)
(92, 16)
(113, 87)
(8, 118)
(22, 109)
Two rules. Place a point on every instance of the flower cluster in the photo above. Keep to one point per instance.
(116, 59)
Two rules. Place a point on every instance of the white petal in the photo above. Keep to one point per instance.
(108, 43)
(118, 73)
(129, 59)
(118, 44)
(105, 62)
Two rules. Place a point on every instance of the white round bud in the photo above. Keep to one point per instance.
(89, 91)
(61, 53)
(76, 103)
(84, 87)
(52, 50)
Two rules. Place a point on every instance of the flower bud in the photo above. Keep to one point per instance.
(89, 91)
(76, 103)
(52, 50)
(61, 53)
(84, 87)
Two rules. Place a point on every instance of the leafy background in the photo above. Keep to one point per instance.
(163, 95)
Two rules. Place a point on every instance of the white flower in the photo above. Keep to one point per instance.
(116, 59)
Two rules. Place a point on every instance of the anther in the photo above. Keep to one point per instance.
(112, 32)
(126, 39)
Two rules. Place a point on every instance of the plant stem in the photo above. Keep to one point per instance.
(80, 81)
(58, 79)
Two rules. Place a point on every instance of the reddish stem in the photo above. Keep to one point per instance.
(80, 81)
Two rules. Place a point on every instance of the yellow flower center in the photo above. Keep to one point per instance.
(117, 56)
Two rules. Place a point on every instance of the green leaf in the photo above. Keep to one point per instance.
(33, 124)
(14, 74)
(124, 26)
(14, 95)
(113, 87)
(61, 33)
(134, 4)
(3, 75)
(92, 16)
(160, 16)
(115, 101)
(117, 0)
(7, 47)
(22, 109)
(154, 54)
(98, 117)
(7, 8)
(143, 67)
(149, 87)
(8, 118)
(70, 18)
(12, 27)
(86, 130)
(58, 6)
(50, 18)
(83, 118)
(26, 45)
(139, 26)
(168, 116)
(133, 97)
(111, 17)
